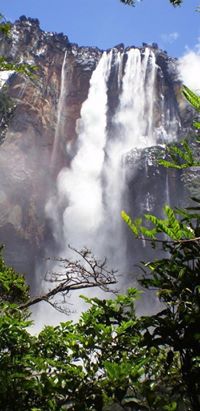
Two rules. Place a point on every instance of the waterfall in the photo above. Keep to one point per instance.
(60, 112)
(133, 123)
(135, 112)
(81, 184)
(167, 192)
(91, 191)
(92, 188)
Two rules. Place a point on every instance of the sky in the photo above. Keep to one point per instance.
(106, 23)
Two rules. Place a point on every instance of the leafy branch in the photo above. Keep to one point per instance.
(182, 155)
(174, 228)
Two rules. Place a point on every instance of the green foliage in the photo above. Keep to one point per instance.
(25, 69)
(13, 288)
(175, 228)
(191, 97)
(100, 360)
(128, 2)
(5, 64)
(6, 104)
(133, 2)
(177, 282)
(4, 26)
(176, 2)
(108, 357)
(182, 155)
(7, 108)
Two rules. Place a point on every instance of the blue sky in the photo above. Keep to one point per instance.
(105, 23)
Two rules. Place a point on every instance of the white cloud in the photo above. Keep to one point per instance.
(189, 67)
(170, 37)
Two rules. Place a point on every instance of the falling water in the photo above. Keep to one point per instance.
(60, 111)
(167, 192)
(119, 63)
(134, 129)
(81, 184)
(135, 113)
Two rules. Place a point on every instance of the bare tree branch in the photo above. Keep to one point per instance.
(84, 272)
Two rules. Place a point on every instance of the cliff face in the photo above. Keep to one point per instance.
(44, 123)
(25, 154)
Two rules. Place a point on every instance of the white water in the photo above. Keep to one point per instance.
(60, 113)
(135, 113)
(80, 185)
(133, 124)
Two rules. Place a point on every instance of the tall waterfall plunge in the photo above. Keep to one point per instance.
(81, 184)
(92, 191)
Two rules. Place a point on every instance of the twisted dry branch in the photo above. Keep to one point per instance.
(84, 272)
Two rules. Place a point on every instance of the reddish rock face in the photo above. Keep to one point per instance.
(34, 148)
